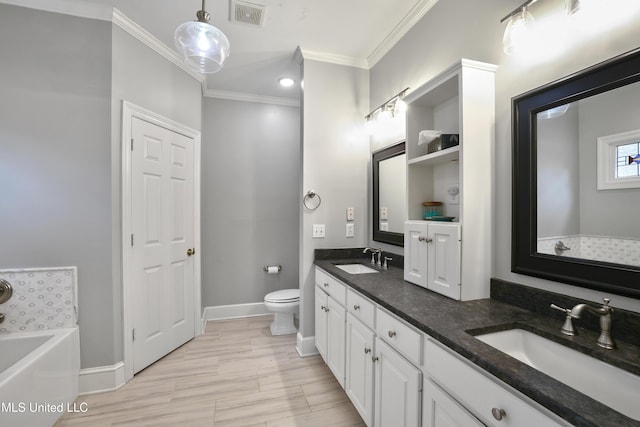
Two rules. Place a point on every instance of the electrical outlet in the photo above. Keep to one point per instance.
(384, 213)
(350, 214)
(350, 229)
(318, 231)
(453, 194)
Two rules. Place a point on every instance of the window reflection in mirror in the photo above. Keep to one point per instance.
(578, 146)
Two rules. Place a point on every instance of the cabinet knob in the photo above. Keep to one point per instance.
(191, 251)
(374, 359)
(326, 309)
(367, 350)
(326, 285)
(392, 334)
(356, 307)
(498, 414)
(421, 238)
(322, 307)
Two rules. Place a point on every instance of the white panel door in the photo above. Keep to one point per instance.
(321, 322)
(162, 217)
(415, 257)
(444, 259)
(336, 325)
(397, 389)
(441, 410)
(359, 367)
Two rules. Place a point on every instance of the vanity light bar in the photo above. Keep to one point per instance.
(389, 102)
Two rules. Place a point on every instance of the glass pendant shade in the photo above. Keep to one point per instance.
(518, 32)
(203, 46)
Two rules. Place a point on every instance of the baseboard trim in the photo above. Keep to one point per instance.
(234, 311)
(101, 379)
(306, 346)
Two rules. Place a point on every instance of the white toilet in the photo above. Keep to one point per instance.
(284, 304)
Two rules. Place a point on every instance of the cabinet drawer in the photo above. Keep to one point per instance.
(401, 336)
(333, 287)
(480, 394)
(361, 308)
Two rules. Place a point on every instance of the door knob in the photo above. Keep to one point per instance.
(191, 251)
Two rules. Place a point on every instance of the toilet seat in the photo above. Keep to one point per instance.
(283, 296)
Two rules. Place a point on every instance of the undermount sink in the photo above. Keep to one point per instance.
(356, 268)
(605, 383)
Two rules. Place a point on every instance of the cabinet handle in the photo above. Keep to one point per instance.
(392, 334)
(356, 307)
(326, 309)
(367, 350)
(322, 307)
(421, 238)
(326, 285)
(428, 240)
(374, 359)
(498, 414)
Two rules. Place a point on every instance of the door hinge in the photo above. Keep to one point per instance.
(131, 144)
(133, 334)
(131, 239)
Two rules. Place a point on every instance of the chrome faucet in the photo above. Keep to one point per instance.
(373, 255)
(604, 340)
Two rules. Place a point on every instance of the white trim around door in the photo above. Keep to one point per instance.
(129, 111)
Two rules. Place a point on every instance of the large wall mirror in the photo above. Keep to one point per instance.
(576, 178)
(389, 167)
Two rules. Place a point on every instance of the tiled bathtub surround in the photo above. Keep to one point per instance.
(597, 248)
(43, 298)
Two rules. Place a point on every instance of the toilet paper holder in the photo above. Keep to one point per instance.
(266, 268)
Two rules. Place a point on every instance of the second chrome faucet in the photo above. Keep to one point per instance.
(604, 340)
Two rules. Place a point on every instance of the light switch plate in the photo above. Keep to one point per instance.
(350, 229)
(350, 214)
(318, 231)
(384, 226)
(384, 213)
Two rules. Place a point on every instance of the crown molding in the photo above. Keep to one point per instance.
(332, 58)
(122, 21)
(248, 97)
(416, 14)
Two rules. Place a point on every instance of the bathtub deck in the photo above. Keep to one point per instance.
(236, 374)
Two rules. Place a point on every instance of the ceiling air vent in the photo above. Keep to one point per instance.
(247, 13)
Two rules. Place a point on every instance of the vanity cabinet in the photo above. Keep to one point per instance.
(330, 322)
(460, 100)
(456, 393)
(432, 256)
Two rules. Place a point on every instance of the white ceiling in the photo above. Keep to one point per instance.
(349, 32)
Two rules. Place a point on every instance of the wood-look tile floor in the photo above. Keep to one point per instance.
(235, 374)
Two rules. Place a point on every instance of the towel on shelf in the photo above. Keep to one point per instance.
(426, 136)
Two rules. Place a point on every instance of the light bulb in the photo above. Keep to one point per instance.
(400, 107)
(518, 32)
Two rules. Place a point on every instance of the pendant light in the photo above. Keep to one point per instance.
(203, 47)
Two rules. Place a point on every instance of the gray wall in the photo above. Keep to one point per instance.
(60, 131)
(432, 46)
(335, 158)
(559, 175)
(55, 159)
(250, 199)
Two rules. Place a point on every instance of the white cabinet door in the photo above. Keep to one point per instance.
(440, 410)
(443, 271)
(336, 324)
(398, 387)
(415, 253)
(359, 367)
(321, 322)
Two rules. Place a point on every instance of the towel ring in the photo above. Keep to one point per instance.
(311, 195)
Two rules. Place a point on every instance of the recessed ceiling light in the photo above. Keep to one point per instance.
(286, 81)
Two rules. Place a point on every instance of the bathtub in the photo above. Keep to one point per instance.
(39, 374)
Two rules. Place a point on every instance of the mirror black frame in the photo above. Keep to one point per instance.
(525, 259)
(392, 238)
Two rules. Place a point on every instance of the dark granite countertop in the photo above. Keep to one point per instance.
(450, 321)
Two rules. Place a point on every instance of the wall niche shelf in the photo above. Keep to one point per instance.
(459, 100)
